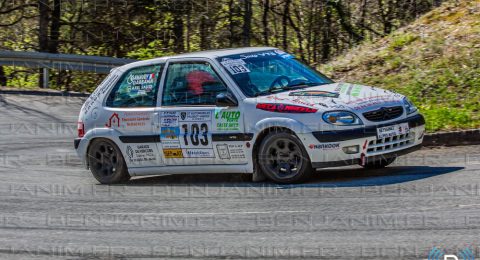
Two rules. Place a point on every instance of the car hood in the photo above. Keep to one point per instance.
(337, 96)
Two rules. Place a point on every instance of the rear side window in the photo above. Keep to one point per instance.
(138, 87)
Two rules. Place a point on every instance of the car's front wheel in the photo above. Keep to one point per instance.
(283, 159)
(106, 162)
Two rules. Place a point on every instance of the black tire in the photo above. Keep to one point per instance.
(379, 164)
(106, 162)
(283, 159)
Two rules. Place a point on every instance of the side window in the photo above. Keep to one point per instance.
(191, 83)
(137, 88)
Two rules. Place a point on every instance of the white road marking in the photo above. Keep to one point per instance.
(468, 205)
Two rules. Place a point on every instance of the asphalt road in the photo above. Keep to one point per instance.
(51, 207)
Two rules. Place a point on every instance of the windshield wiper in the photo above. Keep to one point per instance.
(266, 92)
(302, 85)
(289, 87)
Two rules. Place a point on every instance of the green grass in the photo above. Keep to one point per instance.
(434, 61)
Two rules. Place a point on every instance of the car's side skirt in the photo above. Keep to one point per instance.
(190, 169)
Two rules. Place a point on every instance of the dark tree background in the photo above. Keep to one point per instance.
(314, 30)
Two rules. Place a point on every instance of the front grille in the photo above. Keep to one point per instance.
(384, 113)
(390, 143)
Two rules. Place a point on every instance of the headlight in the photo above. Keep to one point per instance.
(409, 106)
(341, 118)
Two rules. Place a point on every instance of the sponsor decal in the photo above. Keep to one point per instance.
(230, 151)
(329, 146)
(171, 133)
(227, 120)
(275, 98)
(236, 151)
(128, 119)
(303, 102)
(256, 55)
(222, 150)
(130, 152)
(169, 121)
(113, 120)
(338, 88)
(172, 153)
(323, 104)
(169, 137)
(141, 79)
(315, 93)
(135, 118)
(369, 102)
(285, 108)
(196, 116)
(94, 99)
(284, 54)
(354, 90)
(141, 153)
(198, 153)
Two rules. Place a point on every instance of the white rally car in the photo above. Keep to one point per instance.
(256, 111)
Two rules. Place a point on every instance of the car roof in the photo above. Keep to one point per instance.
(212, 54)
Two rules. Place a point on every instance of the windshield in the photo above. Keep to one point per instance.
(266, 72)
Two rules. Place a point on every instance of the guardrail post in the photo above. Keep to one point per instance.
(45, 78)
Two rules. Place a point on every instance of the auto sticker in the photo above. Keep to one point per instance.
(227, 120)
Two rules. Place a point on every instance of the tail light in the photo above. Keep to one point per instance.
(80, 129)
(285, 108)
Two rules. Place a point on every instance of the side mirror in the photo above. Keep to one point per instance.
(226, 100)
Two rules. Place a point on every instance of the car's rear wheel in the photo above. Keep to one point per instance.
(283, 159)
(106, 162)
(379, 163)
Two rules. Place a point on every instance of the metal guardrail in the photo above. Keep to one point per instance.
(48, 61)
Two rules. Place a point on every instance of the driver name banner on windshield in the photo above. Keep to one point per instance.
(236, 66)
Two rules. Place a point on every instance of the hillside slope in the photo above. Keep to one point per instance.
(435, 61)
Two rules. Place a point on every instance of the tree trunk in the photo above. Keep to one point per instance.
(3, 77)
(43, 21)
(189, 28)
(343, 16)
(203, 30)
(247, 22)
(327, 23)
(298, 30)
(178, 33)
(286, 13)
(231, 25)
(266, 6)
(55, 27)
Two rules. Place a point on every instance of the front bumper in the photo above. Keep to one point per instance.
(326, 148)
